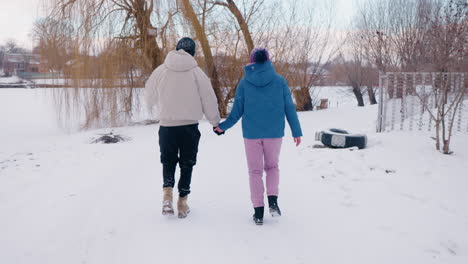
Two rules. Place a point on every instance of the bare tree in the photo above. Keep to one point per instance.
(374, 27)
(414, 35)
(351, 72)
(227, 37)
(200, 32)
(53, 39)
(303, 47)
(11, 46)
(452, 91)
(446, 43)
(408, 31)
(392, 33)
(231, 5)
(446, 37)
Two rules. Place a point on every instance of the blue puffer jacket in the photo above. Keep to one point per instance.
(263, 100)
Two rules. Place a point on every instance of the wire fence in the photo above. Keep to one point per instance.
(410, 100)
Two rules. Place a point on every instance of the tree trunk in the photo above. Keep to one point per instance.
(370, 92)
(147, 42)
(357, 93)
(307, 104)
(452, 118)
(437, 125)
(243, 25)
(445, 141)
(446, 148)
(201, 35)
(303, 99)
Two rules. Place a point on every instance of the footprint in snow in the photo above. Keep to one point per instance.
(450, 246)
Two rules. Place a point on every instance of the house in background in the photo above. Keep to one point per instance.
(22, 65)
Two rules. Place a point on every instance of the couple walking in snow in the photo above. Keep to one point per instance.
(182, 93)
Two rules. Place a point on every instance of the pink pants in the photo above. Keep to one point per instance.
(263, 154)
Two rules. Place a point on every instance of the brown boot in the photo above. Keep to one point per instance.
(167, 208)
(182, 207)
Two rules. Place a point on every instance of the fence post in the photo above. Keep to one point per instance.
(381, 103)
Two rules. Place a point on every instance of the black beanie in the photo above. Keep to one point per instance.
(186, 44)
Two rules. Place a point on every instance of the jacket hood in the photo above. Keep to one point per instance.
(180, 60)
(260, 74)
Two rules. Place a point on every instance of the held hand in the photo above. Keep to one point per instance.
(218, 131)
(297, 141)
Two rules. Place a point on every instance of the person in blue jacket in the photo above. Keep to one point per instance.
(263, 101)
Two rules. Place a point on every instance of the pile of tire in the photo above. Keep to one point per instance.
(339, 138)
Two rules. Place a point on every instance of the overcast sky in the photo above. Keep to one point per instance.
(17, 18)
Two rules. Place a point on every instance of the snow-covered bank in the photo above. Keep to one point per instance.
(14, 82)
(12, 79)
(63, 200)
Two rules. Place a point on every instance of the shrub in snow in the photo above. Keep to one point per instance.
(109, 138)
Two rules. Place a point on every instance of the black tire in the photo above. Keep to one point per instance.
(339, 131)
(339, 138)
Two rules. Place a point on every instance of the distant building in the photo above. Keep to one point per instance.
(21, 64)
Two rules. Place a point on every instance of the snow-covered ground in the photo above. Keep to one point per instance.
(12, 79)
(63, 200)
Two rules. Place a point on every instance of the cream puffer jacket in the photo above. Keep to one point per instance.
(181, 92)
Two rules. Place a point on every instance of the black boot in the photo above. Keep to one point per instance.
(258, 216)
(273, 204)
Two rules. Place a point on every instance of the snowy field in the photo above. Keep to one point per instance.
(65, 201)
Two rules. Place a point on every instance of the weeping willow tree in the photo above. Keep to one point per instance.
(110, 48)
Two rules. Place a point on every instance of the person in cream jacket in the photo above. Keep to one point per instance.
(181, 93)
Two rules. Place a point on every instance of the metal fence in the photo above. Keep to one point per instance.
(407, 98)
(39, 75)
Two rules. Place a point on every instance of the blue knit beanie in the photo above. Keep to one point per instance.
(186, 44)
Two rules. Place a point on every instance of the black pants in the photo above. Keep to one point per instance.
(179, 145)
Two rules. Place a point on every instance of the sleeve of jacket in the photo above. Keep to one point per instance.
(208, 97)
(237, 110)
(151, 93)
(290, 110)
